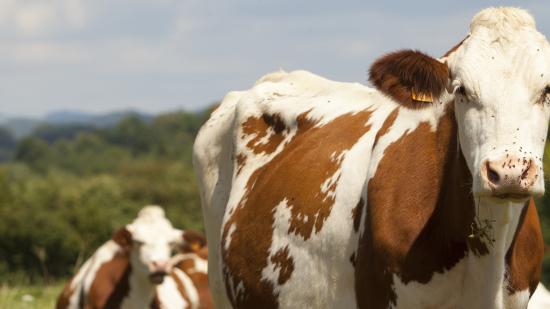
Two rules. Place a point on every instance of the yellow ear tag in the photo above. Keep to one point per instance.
(422, 97)
(195, 246)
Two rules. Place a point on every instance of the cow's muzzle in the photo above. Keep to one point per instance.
(512, 178)
(157, 277)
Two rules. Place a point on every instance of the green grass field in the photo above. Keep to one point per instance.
(29, 296)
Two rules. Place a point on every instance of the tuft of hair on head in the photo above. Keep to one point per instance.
(502, 19)
(151, 212)
(410, 77)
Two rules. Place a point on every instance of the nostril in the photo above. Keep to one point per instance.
(492, 175)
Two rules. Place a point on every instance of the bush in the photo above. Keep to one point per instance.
(64, 194)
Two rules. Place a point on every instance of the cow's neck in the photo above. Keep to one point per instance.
(487, 272)
(490, 228)
(142, 291)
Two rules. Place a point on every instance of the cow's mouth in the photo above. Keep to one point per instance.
(513, 196)
(157, 277)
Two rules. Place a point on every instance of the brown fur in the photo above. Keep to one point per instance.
(111, 284)
(295, 174)
(284, 263)
(258, 128)
(386, 126)
(123, 238)
(419, 215)
(193, 241)
(400, 73)
(524, 258)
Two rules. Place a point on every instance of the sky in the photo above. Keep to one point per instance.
(161, 55)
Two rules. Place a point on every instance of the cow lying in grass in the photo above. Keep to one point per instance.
(136, 269)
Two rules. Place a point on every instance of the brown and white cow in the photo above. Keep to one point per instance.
(416, 194)
(136, 269)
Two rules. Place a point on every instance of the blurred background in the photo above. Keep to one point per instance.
(100, 102)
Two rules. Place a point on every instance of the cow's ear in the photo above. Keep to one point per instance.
(192, 241)
(410, 77)
(123, 238)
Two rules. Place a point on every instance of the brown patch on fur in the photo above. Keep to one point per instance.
(419, 217)
(241, 161)
(295, 175)
(401, 73)
(111, 283)
(259, 128)
(385, 126)
(356, 213)
(454, 48)
(284, 263)
(192, 241)
(524, 258)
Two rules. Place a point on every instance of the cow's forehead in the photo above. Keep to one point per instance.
(502, 49)
(153, 231)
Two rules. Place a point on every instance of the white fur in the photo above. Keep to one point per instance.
(169, 296)
(540, 299)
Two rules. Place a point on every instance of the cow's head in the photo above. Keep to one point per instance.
(150, 240)
(498, 82)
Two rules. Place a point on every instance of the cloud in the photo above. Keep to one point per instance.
(40, 17)
(163, 54)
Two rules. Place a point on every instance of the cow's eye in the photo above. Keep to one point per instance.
(547, 90)
(461, 90)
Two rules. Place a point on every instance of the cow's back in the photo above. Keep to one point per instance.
(282, 169)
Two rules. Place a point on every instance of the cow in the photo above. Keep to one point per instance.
(415, 194)
(136, 268)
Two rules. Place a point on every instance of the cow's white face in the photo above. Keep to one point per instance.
(153, 242)
(500, 76)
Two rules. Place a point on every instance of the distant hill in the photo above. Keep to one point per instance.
(97, 120)
(21, 127)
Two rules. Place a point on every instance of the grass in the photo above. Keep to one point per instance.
(29, 296)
